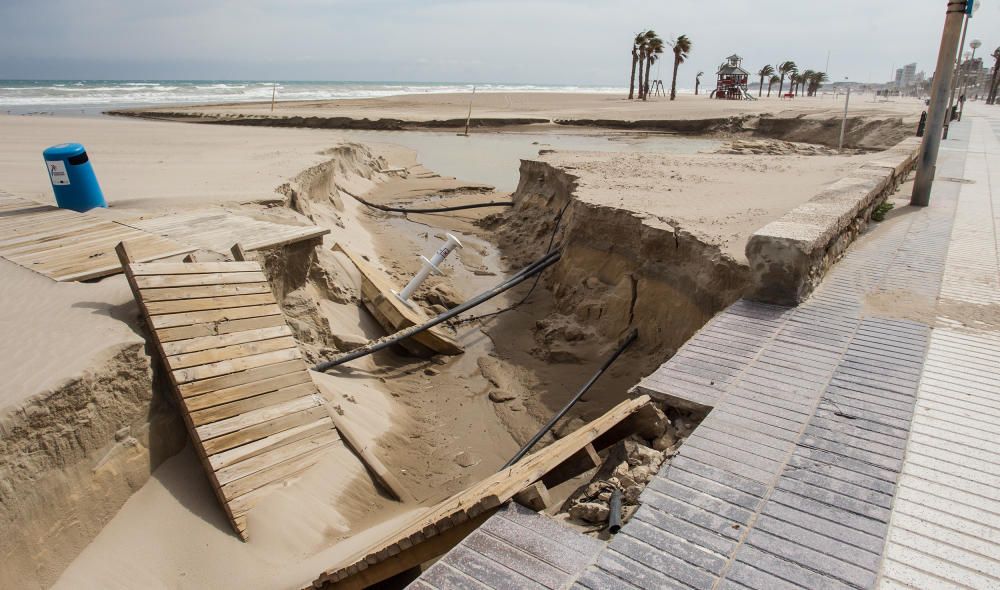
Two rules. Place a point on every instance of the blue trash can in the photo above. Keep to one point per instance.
(73, 178)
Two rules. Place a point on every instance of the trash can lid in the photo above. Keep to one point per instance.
(63, 150)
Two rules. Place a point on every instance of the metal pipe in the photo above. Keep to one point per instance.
(391, 209)
(586, 386)
(927, 160)
(428, 267)
(383, 343)
(615, 511)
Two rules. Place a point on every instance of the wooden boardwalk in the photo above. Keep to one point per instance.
(252, 410)
(66, 245)
(218, 229)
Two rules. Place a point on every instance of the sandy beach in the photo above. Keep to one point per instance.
(535, 355)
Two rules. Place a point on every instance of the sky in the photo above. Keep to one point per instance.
(563, 42)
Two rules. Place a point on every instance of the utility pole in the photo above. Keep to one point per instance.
(843, 123)
(927, 160)
(958, 62)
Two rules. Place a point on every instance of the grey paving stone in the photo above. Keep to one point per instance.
(444, 577)
(824, 496)
(783, 569)
(515, 559)
(700, 499)
(805, 537)
(746, 486)
(488, 571)
(694, 515)
(635, 573)
(823, 562)
(833, 529)
(694, 534)
(798, 465)
(723, 463)
(662, 562)
(711, 487)
(676, 546)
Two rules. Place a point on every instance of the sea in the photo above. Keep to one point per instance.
(92, 97)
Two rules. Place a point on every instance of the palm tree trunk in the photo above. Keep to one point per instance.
(673, 82)
(781, 86)
(642, 86)
(631, 82)
(993, 85)
(760, 91)
(649, 63)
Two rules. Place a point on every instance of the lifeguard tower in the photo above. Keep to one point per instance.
(732, 80)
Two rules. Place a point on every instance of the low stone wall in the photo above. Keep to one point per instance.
(789, 257)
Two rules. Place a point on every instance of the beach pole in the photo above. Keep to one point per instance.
(274, 91)
(468, 119)
(843, 122)
(927, 160)
(954, 82)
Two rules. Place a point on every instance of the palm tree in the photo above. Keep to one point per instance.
(805, 78)
(774, 80)
(793, 82)
(643, 46)
(636, 44)
(764, 72)
(813, 81)
(682, 48)
(697, 82)
(784, 69)
(654, 49)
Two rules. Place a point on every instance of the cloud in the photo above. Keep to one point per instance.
(538, 41)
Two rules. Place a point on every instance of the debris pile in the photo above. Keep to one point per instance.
(774, 147)
(629, 466)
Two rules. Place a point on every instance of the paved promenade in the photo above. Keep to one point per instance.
(853, 441)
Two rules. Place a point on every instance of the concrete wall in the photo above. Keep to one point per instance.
(789, 257)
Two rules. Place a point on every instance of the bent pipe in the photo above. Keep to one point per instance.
(387, 341)
(579, 394)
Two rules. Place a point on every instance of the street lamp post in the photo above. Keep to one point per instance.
(976, 44)
(927, 160)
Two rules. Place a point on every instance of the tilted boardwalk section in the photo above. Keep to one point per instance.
(253, 412)
(218, 229)
(67, 245)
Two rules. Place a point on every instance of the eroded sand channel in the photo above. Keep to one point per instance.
(635, 256)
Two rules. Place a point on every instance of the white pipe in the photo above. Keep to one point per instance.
(429, 266)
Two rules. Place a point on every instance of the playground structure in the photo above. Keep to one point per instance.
(732, 80)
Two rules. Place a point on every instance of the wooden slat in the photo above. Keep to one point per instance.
(174, 320)
(236, 365)
(228, 381)
(219, 328)
(262, 430)
(279, 471)
(249, 403)
(193, 280)
(236, 351)
(207, 342)
(186, 305)
(241, 453)
(276, 455)
(187, 268)
(178, 293)
(258, 416)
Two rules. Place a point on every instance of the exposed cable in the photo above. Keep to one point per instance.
(382, 343)
(432, 209)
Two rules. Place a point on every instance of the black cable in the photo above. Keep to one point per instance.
(586, 386)
(524, 299)
(382, 343)
(432, 209)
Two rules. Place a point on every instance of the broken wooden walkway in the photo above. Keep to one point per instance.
(67, 245)
(253, 412)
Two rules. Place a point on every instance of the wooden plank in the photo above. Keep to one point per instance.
(580, 462)
(380, 472)
(274, 473)
(209, 342)
(174, 320)
(276, 455)
(262, 430)
(227, 381)
(195, 280)
(185, 268)
(72, 241)
(303, 235)
(185, 305)
(243, 452)
(536, 496)
(236, 351)
(219, 328)
(248, 390)
(247, 404)
(236, 365)
(178, 293)
(257, 416)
